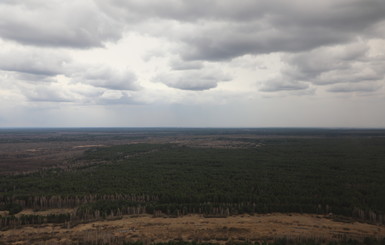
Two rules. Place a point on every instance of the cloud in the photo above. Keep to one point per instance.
(45, 65)
(33, 63)
(79, 93)
(186, 11)
(102, 55)
(245, 10)
(227, 29)
(113, 97)
(354, 67)
(77, 24)
(360, 87)
(338, 64)
(197, 80)
(224, 40)
(36, 66)
(282, 84)
(224, 31)
(324, 60)
(106, 77)
(178, 64)
(50, 93)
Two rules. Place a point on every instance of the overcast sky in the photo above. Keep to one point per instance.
(184, 63)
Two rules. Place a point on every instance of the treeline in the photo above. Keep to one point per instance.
(50, 202)
(118, 208)
(12, 221)
(111, 209)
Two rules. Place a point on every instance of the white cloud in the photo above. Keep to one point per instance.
(47, 93)
(32, 61)
(106, 77)
(192, 79)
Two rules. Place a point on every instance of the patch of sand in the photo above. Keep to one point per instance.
(198, 228)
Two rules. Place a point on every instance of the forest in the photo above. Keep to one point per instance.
(315, 172)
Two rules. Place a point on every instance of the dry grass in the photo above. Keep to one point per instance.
(198, 228)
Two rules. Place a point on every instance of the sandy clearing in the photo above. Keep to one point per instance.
(196, 227)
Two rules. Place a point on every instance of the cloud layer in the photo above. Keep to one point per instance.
(341, 68)
(77, 24)
(149, 52)
(229, 29)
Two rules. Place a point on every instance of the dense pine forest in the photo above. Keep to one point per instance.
(339, 173)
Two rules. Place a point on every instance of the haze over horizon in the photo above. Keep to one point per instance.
(179, 63)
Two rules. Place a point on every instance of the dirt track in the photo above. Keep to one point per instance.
(198, 228)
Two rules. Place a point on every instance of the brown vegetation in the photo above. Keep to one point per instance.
(23, 153)
(197, 228)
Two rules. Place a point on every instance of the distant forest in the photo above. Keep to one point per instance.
(339, 172)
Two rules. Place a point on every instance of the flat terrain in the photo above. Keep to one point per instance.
(30, 150)
(239, 228)
(110, 186)
(26, 150)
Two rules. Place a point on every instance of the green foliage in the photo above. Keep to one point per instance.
(105, 207)
(312, 175)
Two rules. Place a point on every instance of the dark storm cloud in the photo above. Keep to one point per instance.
(318, 62)
(350, 66)
(318, 40)
(192, 79)
(183, 10)
(339, 13)
(209, 30)
(293, 29)
(228, 40)
(228, 29)
(78, 24)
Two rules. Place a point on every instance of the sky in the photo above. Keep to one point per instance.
(201, 63)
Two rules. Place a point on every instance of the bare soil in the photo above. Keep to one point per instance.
(198, 228)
